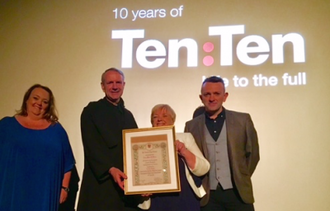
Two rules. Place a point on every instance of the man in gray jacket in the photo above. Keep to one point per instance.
(229, 141)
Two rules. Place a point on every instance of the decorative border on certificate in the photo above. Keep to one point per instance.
(150, 160)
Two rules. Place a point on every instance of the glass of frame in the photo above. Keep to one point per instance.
(150, 160)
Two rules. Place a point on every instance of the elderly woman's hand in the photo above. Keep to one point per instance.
(180, 147)
(146, 194)
(189, 157)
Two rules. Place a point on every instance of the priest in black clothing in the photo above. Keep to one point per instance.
(102, 123)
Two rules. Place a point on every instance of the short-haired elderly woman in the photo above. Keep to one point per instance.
(192, 165)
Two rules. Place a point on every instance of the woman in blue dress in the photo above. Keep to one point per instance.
(192, 165)
(35, 155)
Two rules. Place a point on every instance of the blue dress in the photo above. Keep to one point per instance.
(32, 166)
(186, 200)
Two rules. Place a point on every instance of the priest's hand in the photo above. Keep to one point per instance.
(118, 176)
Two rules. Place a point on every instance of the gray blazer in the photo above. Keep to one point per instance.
(243, 150)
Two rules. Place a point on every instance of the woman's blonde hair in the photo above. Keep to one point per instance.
(164, 107)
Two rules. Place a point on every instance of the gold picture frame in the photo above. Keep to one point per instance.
(150, 161)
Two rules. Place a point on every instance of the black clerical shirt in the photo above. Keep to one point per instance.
(214, 126)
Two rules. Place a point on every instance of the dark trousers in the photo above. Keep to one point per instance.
(226, 200)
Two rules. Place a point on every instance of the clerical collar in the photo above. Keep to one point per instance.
(119, 104)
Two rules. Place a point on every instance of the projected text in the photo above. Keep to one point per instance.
(250, 50)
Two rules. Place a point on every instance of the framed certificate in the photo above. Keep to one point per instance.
(150, 160)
